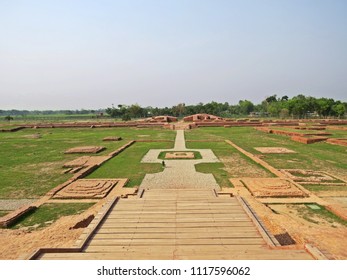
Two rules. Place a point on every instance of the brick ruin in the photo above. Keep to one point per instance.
(202, 117)
(271, 187)
(274, 150)
(179, 155)
(112, 138)
(87, 189)
(85, 150)
(303, 177)
(337, 141)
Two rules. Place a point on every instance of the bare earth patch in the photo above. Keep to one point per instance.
(179, 155)
(85, 149)
(274, 150)
(237, 166)
(329, 237)
(20, 243)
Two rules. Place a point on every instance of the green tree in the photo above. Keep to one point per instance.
(339, 110)
(246, 107)
(284, 113)
(179, 110)
(8, 118)
(136, 111)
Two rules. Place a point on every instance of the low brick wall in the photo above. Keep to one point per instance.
(121, 149)
(12, 129)
(307, 140)
(226, 124)
(338, 141)
(12, 217)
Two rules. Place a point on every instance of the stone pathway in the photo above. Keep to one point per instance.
(179, 174)
(14, 204)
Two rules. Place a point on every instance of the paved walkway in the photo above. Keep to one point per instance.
(179, 174)
(14, 204)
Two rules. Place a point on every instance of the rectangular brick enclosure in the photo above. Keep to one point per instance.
(86, 161)
(87, 188)
(85, 150)
(272, 187)
(274, 150)
(179, 155)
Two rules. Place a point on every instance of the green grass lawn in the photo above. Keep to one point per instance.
(128, 164)
(48, 213)
(319, 188)
(233, 163)
(30, 167)
(319, 156)
(310, 214)
(334, 133)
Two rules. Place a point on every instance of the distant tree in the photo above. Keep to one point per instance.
(339, 110)
(136, 111)
(284, 113)
(179, 109)
(272, 98)
(274, 109)
(324, 106)
(246, 106)
(284, 98)
(8, 118)
(126, 117)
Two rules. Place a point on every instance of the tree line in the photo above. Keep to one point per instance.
(299, 106)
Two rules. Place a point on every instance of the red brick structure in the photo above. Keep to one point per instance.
(202, 117)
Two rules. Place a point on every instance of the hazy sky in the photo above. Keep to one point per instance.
(73, 54)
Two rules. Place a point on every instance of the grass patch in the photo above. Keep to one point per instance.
(3, 213)
(318, 188)
(48, 213)
(322, 213)
(30, 167)
(128, 164)
(217, 169)
(319, 156)
(234, 163)
(197, 155)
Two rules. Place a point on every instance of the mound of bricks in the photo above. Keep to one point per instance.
(179, 155)
(87, 188)
(274, 150)
(112, 138)
(85, 150)
(272, 187)
(338, 141)
(308, 140)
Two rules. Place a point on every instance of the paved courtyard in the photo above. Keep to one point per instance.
(179, 173)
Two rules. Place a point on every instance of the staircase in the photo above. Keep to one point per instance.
(178, 224)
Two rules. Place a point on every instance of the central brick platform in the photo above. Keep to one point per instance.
(179, 155)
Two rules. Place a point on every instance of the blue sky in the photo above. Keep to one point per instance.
(72, 54)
